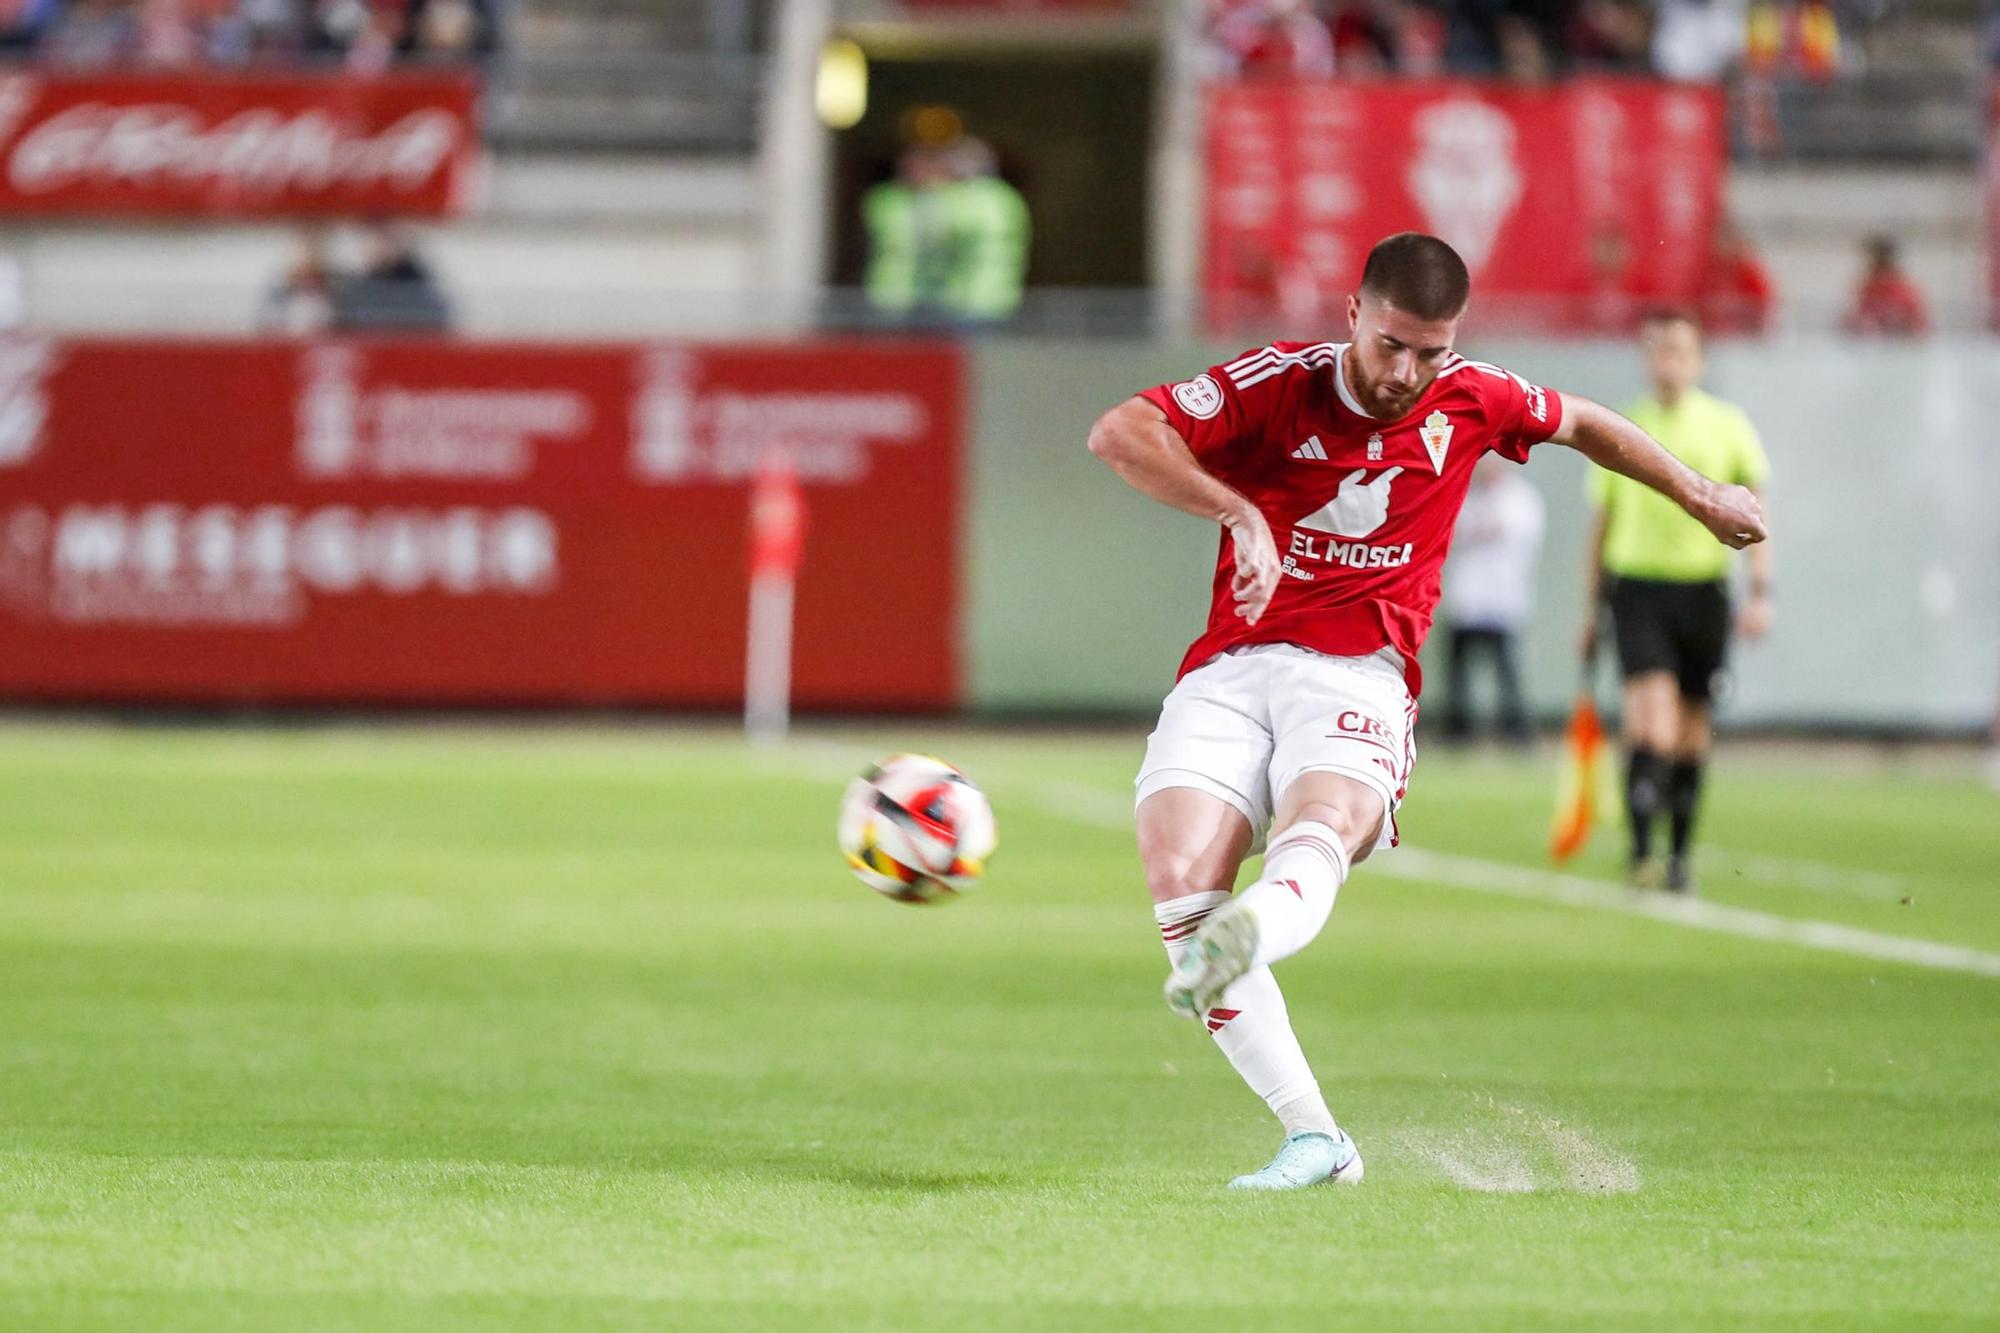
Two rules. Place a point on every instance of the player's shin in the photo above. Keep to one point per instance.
(1645, 781)
(1304, 868)
(1251, 1025)
(1683, 799)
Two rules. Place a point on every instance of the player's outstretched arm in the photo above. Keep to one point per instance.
(1732, 513)
(1135, 441)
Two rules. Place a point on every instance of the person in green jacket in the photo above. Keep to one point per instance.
(990, 231)
(911, 235)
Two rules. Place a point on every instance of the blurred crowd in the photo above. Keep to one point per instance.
(1737, 296)
(391, 290)
(1529, 41)
(361, 35)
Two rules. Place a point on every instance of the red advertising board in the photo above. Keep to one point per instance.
(1574, 205)
(420, 522)
(237, 145)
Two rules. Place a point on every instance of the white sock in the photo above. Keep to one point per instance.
(1251, 1025)
(1304, 868)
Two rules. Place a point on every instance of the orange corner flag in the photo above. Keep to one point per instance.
(1583, 749)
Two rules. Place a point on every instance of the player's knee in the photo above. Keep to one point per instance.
(1657, 729)
(1356, 818)
(1171, 875)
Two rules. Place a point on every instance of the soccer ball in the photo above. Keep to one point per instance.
(915, 829)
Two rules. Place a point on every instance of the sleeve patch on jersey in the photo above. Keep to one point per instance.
(1200, 397)
(1538, 401)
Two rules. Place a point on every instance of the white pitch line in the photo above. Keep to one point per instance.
(1102, 809)
(1795, 873)
(1085, 805)
(1465, 872)
(1095, 807)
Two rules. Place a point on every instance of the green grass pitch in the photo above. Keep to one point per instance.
(574, 1029)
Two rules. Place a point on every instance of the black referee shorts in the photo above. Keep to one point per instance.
(1677, 627)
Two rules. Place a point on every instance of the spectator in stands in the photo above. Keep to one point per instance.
(451, 29)
(394, 291)
(1524, 54)
(364, 35)
(989, 243)
(1280, 39)
(1736, 293)
(270, 29)
(91, 34)
(1698, 41)
(1366, 36)
(1489, 591)
(1525, 40)
(1613, 35)
(1888, 302)
(23, 22)
(909, 235)
(1418, 34)
(1522, 39)
(302, 303)
(173, 33)
(1800, 38)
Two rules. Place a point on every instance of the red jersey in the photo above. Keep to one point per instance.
(1361, 509)
(1735, 296)
(1889, 303)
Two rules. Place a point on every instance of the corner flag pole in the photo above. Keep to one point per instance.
(1583, 751)
(777, 544)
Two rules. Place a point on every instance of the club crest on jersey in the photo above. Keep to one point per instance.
(1200, 397)
(1436, 435)
(1375, 447)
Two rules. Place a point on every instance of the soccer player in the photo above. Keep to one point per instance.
(1669, 594)
(1335, 471)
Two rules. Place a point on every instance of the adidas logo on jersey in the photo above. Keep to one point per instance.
(1312, 450)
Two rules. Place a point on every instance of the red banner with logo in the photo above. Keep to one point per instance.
(1575, 205)
(237, 145)
(419, 522)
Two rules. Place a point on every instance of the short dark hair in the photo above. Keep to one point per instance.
(1419, 275)
(1670, 314)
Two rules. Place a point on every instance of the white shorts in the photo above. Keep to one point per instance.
(1244, 726)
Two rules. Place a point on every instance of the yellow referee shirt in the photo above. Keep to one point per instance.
(1648, 536)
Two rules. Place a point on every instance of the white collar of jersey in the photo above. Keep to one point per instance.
(1340, 383)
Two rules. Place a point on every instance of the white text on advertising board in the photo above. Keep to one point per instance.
(165, 564)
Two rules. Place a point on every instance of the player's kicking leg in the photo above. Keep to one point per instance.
(1223, 968)
(1192, 843)
(1325, 823)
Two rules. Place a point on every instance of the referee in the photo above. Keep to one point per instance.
(1667, 581)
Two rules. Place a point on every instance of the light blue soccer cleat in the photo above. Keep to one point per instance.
(1221, 951)
(1307, 1158)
